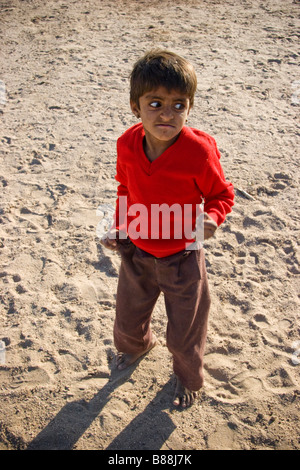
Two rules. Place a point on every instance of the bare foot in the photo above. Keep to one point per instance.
(125, 360)
(183, 396)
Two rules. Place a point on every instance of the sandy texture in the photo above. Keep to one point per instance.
(64, 68)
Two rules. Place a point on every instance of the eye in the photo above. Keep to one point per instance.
(155, 104)
(179, 106)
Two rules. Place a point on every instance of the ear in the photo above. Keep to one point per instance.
(135, 109)
(190, 107)
(188, 112)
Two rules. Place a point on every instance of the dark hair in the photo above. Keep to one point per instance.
(162, 68)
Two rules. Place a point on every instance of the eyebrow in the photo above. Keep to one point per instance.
(156, 97)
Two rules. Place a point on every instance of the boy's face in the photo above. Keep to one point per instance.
(163, 114)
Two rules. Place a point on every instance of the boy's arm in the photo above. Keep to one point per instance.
(110, 239)
(217, 192)
(219, 201)
(122, 193)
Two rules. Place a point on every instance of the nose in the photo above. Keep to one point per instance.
(167, 113)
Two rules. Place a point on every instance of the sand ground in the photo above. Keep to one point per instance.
(63, 103)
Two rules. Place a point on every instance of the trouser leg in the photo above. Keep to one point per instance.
(184, 283)
(137, 294)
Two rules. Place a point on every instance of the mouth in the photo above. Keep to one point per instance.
(165, 125)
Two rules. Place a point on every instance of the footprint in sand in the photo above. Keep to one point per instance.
(229, 383)
(21, 378)
(248, 384)
(223, 438)
(221, 369)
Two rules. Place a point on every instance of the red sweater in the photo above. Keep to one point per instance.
(188, 171)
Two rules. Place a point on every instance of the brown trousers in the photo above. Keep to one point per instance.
(182, 279)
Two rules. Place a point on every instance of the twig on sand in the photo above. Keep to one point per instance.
(245, 194)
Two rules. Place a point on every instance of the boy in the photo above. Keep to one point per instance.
(165, 170)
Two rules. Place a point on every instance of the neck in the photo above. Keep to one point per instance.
(153, 150)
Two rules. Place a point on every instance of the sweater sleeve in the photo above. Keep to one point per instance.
(217, 192)
(122, 191)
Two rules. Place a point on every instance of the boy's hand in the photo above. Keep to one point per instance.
(109, 240)
(205, 227)
(210, 226)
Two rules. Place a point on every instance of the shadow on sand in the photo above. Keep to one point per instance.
(147, 431)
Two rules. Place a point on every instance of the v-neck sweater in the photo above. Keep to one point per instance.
(185, 174)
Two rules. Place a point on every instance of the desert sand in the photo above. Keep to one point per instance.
(63, 104)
